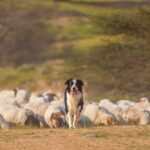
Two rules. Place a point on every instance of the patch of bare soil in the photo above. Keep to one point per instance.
(104, 138)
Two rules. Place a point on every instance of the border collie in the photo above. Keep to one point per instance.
(73, 100)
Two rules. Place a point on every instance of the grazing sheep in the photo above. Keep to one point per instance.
(144, 99)
(93, 115)
(114, 109)
(39, 109)
(7, 96)
(55, 116)
(4, 94)
(143, 104)
(125, 103)
(9, 101)
(4, 124)
(49, 96)
(22, 96)
(16, 96)
(43, 98)
(135, 116)
(18, 116)
(58, 103)
(35, 99)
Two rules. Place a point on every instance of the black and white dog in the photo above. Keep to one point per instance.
(73, 100)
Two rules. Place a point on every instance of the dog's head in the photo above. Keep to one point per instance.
(74, 86)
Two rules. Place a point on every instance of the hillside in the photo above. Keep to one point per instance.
(42, 43)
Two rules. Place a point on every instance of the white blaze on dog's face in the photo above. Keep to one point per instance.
(74, 88)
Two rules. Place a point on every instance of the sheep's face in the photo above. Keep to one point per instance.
(50, 97)
(57, 119)
(109, 120)
(125, 118)
(105, 120)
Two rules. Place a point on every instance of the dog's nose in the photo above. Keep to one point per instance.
(74, 88)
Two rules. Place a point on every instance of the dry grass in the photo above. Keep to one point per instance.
(106, 138)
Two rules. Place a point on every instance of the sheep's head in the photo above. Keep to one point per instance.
(104, 120)
(58, 119)
(144, 100)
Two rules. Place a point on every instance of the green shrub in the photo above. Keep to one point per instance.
(132, 22)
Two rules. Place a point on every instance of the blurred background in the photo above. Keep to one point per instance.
(104, 43)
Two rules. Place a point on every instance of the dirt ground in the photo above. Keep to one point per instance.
(103, 138)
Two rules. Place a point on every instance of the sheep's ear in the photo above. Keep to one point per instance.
(15, 91)
(81, 82)
(67, 82)
(52, 116)
(63, 113)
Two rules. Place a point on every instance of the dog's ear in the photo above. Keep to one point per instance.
(67, 82)
(81, 82)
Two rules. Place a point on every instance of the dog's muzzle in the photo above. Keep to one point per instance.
(74, 91)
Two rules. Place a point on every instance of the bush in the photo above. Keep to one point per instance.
(135, 22)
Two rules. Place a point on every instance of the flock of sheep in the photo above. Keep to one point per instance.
(19, 107)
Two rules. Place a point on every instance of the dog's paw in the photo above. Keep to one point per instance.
(71, 127)
(74, 127)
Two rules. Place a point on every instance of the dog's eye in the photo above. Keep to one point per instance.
(71, 83)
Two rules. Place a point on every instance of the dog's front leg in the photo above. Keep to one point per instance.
(70, 120)
(75, 120)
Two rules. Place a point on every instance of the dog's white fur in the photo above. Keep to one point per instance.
(72, 107)
(73, 114)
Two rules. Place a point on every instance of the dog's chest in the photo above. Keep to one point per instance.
(72, 102)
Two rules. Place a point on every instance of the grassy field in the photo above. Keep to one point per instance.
(106, 138)
(42, 43)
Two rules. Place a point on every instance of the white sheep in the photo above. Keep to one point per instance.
(114, 109)
(125, 103)
(4, 94)
(43, 98)
(22, 96)
(4, 124)
(143, 104)
(39, 109)
(18, 116)
(55, 116)
(136, 116)
(16, 96)
(37, 99)
(9, 101)
(93, 115)
(49, 96)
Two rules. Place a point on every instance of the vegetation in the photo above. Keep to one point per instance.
(45, 41)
